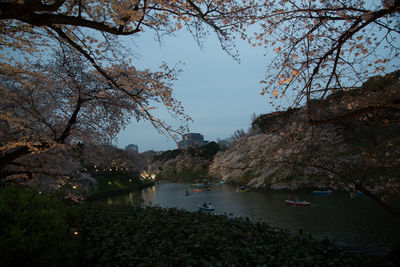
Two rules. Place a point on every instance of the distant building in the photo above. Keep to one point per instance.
(132, 147)
(192, 139)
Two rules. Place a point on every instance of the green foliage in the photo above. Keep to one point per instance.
(167, 155)
(35, 229)
(375, 83)
(118, 181)
(207, 151)
(153, 236)
(381, 82)
(184, 173)
(273, 121)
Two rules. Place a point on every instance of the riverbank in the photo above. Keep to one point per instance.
(350, 222)
(113, 184)
(47, 230)
(155, 236)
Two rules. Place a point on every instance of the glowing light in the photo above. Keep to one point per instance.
(130, 180)
(144, 174)
(74, 186)
(76, 233)
(109, 182)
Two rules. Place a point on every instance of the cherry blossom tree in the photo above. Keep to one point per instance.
(100, 159)
(327, 46)
(64, 99)
(323, 52)
(92, 89)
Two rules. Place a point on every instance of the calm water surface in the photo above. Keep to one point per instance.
(351, 222)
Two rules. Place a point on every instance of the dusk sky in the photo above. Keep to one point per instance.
(217, 92)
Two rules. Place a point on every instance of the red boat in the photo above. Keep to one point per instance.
(198, 190)
(201, 190)
(297, 203)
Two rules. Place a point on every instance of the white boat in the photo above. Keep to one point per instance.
(206, 207)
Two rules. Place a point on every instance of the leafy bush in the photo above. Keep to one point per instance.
(167, 155)
(35, 229)
(207, 151)
(273, 121)
(154, 236)
(374, 83)
(381, 82)
(118, 181)
(184, 173)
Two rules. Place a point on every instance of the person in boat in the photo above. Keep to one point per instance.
(205, 205)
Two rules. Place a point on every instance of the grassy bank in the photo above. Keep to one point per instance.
(117, 183)
(154, 236)
(185, 174)
(37, 228)
(45, 230)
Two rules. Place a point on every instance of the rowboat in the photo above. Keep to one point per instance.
(201, 190)
(297, 203)
(325, 192)
(206, 207)
(242, 189)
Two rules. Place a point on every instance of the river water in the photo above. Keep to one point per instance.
(353, 222)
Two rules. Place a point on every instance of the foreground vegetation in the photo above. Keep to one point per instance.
(37, 229)
(41, 229)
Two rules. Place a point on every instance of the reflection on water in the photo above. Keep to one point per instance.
(351, 222)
